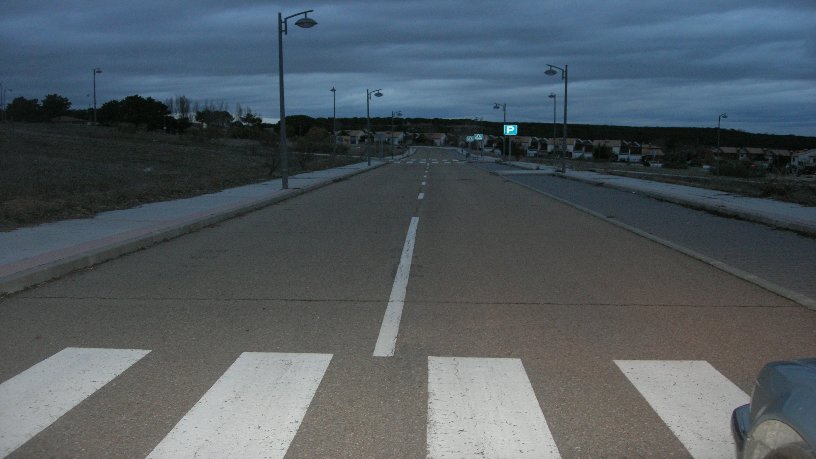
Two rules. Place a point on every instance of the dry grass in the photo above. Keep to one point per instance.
(53, 172)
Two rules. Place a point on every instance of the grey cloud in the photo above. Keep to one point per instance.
(631, 61)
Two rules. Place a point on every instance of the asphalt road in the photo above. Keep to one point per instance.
(527, 329)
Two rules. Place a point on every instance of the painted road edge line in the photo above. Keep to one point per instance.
(772, 287)
(253, 410)
(387, 339)
(37, 397)
(692, 398)
(484, 407)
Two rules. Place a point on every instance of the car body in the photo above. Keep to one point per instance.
(780, 421)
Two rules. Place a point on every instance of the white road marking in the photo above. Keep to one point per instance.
(421, 196)
(424, 183)
(692, 398)
(253, 410)
(387, 339)
(479, 407)
(35, 398)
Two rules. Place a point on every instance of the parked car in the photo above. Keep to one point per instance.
(780, 421)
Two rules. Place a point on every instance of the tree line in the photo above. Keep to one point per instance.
(174, 115)
(177, 114)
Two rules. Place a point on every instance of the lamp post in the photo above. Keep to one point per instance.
(391, 137)
(283, 29)
(334, 121)
(5, 115)
(503, 106)
(376, 93)
(95, 71)
(719, 120)
(564, 76)
(554, 97)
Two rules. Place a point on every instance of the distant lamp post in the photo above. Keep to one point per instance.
(719, 120)
(95, 71)
(3, 92)
(503, 107)
(554, 97)
(391, 137)
(376, 93)
(283, 29)
(334, 120)
(564, 76)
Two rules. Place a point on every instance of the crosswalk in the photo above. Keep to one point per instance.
(476, 407)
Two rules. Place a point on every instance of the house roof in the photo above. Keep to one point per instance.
(754, 151)
(435, 135)
(778, 152)
(355, 133)
(729, 150)
(611, 143)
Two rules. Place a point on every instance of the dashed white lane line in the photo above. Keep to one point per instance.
(253, 410)
(35, 398)
(387, 339)
(480, 407)
(421, 196)
(692, 398)
(424, 183)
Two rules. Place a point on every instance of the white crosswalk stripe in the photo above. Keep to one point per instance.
(692, 398)
(35, 398)
(484, 408)
(253, 410)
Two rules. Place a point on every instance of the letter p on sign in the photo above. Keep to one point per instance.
(510, 129)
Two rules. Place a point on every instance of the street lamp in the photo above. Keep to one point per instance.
(3, 92)
(376, 93)
(503, 106)
(554, 97)
(564, 76)
(95, 71)
(391, 137)
(719, 119)
(283, 29)
(334, 120)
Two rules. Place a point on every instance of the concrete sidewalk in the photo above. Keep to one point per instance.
(779, 214)
(29, 256)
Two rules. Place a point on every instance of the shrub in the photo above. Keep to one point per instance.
(741, 169)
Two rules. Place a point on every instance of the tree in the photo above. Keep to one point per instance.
(54, 105)
(22, 109)
(148, 113)
(602, 152)
(214, 118)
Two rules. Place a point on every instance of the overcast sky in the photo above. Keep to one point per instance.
(631, 62)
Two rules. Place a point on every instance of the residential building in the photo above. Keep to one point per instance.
(651, 152)
(352, 137)
(804, 158)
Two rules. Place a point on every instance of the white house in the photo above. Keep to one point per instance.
(804, 158)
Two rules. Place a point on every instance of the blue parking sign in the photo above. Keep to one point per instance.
(511, 129)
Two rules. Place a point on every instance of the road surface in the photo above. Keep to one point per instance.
(426, 308)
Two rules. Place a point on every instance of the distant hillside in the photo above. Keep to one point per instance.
(668, 137)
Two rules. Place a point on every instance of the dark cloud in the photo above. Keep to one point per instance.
(640, 62)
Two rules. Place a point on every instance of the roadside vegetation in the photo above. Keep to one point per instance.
(52, 171)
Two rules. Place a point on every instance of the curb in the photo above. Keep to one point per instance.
(784, 292)
(742, 215)
(145, 237)
(808, 230)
